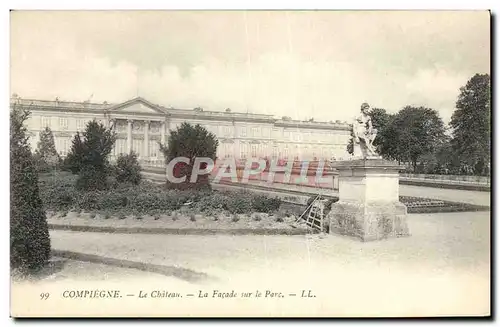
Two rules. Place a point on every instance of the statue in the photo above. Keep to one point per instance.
(364, 135)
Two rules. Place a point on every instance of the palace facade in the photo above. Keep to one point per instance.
(140, 125)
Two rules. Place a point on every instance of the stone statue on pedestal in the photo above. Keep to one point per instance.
(364, 135)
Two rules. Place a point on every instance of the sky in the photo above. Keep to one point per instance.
(302, 64)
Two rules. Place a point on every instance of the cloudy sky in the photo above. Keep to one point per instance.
(320, 64)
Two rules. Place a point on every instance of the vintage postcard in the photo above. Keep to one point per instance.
(292, 163)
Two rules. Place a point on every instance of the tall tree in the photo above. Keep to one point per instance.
(96, 146)
(46, 154)
(29, 233)
(191, 142)
(74, 158)
(412, 133)
(380, 121)
(471, 123)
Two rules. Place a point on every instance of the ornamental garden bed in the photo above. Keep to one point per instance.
(151, 208)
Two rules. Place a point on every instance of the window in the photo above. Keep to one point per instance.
(243, 131)
(136, 146)
(155, 128)
(228, 150)
(80, 124)
(243, 151)
(63, 123)
(63, 145)
(275, 152)
(286, 135)
(255, 131)
(254, 150)
(120, 146)
(45, 122)
(227, 131)
(286, 152)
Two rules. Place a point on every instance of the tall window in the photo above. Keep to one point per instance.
(153, 148)
(136, 146)
(45, 122)
(243, 131)
(228, 150)
(227, 131)
(286, 152)
(254, 150)
(120, 146)
(243, 151)
(63, 145)
(80, 124)
(275, 152)
(255, 131)
(63, 123)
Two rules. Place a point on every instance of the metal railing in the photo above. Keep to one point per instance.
(486, 180)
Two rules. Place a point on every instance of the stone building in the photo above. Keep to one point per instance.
(140, 125)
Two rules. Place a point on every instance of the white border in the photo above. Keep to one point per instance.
(186, 4)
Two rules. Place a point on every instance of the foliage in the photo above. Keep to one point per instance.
(240, 203)
(350, 145)
(263, 203)
(191, 142)
(46, 156)
(380, 120)
(471, 123)
(74, 158)
(29, 234)
(412, 133)
(59, 193)
(128, 169)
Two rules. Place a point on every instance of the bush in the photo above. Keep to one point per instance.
(111, 201)
(29, 233)
(127, 169)
(191, 142)
(90, 179)
(212, 203)
(263, 203)
(239, 202)
(88, 201)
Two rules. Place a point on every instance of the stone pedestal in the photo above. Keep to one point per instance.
(368, 206)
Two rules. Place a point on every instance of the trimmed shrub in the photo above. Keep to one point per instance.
(127, 169)
(29, 233)
(191, 142)
(263, 203)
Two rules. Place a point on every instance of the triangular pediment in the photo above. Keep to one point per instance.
(137, 105)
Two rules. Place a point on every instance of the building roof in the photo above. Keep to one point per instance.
(105, 107)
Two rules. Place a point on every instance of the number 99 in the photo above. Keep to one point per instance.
(44, 296)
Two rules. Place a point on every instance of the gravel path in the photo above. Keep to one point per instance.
(472, 197)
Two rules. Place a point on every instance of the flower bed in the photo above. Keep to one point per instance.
(150, 205)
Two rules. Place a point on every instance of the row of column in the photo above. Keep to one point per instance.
(146, 135)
